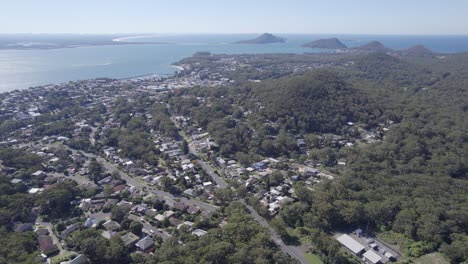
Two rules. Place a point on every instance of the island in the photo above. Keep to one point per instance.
(373, 46)
(265, 38)
(331, 43)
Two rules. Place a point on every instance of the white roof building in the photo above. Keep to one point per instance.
(351, 244)
(372, 257)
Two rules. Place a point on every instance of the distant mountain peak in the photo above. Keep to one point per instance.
(419, 50)
(265, 38)
(373, 46)
(331, 43)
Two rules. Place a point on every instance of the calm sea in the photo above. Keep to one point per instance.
(20, 69)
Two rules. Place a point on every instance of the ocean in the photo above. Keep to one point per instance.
(21, 69)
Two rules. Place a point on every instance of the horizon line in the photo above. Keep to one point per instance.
(224, 33)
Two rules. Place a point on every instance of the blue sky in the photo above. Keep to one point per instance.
(425, 17)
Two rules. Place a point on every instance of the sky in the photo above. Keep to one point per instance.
(420, 17)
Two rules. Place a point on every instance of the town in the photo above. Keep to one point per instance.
(165, 176)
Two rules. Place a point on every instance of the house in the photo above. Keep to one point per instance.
(190, 192)
(35, 190)
(108, 234)
(15, 181)
(146, 244)
(85, 205)
(38, 173)
(199, 232)
(166, 214)
(119, 188)
(90, 222)
(186, 223)
(111, 225)
(20, 227)
(140, 208)
(351, 244)
(181, 206)
(46, 245)
(129, 239)
(70, 229)
(42, 232)
(175, 222)
(371, 257)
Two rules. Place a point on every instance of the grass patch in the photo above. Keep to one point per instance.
(312, 258)
(432, 258)
(65, 256)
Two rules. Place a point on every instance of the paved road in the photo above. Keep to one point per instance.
(206, 167)
(219, 181)
(294, 252)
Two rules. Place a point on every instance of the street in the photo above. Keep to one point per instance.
(294, 252)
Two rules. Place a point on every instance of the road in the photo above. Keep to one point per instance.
(294, 252)
(206, 167)
(219, 181)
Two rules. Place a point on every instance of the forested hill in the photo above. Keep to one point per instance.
(318, 102)
(382, 68)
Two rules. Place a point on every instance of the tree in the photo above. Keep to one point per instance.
(303, 193)
(95, 170)
(108, 190)
(276, 178)
(118, 213)
(223, 196)
(185, 147)
(136, 228)
(116, 252)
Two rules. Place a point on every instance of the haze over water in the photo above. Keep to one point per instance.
(21, 69)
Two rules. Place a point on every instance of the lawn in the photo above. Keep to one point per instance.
(63, 257)
(433, 258)
(312, 258)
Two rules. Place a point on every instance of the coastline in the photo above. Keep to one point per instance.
(141, 77)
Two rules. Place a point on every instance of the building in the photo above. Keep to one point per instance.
(111, 225)
(145, 244)
(46, 245)
(371, 257)
(199, 232)
(129, 239)
(351, 244)
(70, 229)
